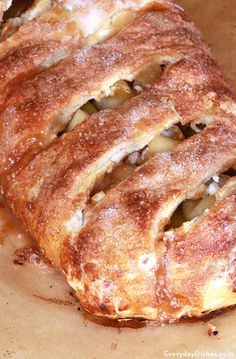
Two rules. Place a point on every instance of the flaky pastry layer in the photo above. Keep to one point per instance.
(118, 256)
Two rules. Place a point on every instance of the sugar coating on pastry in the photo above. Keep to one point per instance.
(118, 155)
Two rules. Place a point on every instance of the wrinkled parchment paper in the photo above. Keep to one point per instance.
(40, 319)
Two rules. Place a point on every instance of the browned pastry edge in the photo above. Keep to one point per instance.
(200, 258)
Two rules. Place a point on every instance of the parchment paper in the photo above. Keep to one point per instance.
(38, 316)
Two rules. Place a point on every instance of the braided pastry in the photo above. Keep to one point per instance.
(4, 5)
(118, 157)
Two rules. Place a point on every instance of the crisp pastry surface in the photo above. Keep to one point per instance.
(113, 237)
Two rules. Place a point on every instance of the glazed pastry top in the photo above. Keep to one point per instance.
(113, 126)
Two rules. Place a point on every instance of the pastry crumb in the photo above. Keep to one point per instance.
(113, 346)
(212, 330)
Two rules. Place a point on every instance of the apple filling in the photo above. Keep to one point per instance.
(200, 201)
(16, 9)
(164, 142)
(119, 93)
(168, 139)
(12, 18)
(112, 27)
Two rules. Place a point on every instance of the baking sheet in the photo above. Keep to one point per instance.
(39, 318)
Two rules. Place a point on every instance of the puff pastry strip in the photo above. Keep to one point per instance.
(14, 23)
(38, 108)
(199, 262)
(52, 30)
(70, 166)
(113, 265)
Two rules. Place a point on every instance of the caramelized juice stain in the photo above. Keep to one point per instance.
(56, 300)
(139, 323)
(28, 251)
(154, 7)
(7, 225)
(30, 254)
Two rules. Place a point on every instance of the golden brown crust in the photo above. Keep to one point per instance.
(121, 263)
(37, 108)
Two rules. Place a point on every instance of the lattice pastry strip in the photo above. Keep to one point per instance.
(200, 259)
(38, 108)
(51, 30)
(74, 162)
(113, 264)
(21, 14)
(133, 214)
